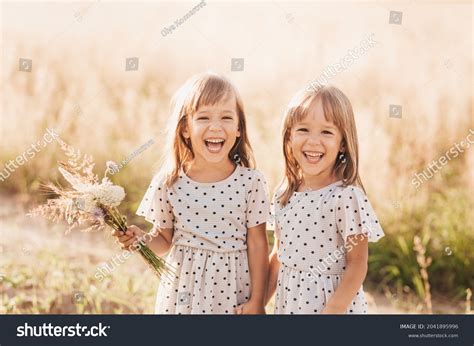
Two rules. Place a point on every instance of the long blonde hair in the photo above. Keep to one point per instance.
(337, 109)
(200, 90)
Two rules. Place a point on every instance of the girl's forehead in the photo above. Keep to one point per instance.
(315, 117)
(227, 102)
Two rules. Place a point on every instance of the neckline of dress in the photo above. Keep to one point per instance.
(318, 190)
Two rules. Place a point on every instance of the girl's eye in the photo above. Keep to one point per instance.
(327, 132)
(302, 129)
(202, 118)
(227, 118)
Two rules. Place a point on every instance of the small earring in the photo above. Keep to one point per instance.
(236, 158)
(342, 157)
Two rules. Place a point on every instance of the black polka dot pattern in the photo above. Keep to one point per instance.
(299, 294)
(313, 229)
(210, 222)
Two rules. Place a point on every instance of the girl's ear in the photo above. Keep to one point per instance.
(186, 131)
(238, 132)
(342, 148)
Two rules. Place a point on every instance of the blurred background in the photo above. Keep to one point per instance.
(102, 75)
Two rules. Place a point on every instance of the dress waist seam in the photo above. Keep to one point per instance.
(210, 250)
(314, 271)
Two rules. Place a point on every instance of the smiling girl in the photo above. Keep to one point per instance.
(323, 220)
(208, 206)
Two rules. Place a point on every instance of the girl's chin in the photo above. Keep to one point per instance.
(312, 169)
(215, 157)
(310, 166)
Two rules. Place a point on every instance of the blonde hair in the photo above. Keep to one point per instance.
(200, 90)
(338, 110)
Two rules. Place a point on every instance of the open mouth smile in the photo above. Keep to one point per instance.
(313, 156)
(214, 145)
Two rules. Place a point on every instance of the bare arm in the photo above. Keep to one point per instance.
(356, 270)
(257, 249)
(273, 271)
(160, 243)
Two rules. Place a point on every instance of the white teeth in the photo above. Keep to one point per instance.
(313, 154)
(214, 145)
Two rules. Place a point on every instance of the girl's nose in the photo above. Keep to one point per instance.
(215, 126)
(314, 139)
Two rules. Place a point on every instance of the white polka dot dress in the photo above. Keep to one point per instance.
(209, 247)
(313, 229)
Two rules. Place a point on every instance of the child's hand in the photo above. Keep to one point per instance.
(127, 239)
(250, 308)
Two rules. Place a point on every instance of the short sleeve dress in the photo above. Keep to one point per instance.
(313, 229)
(209, 246)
